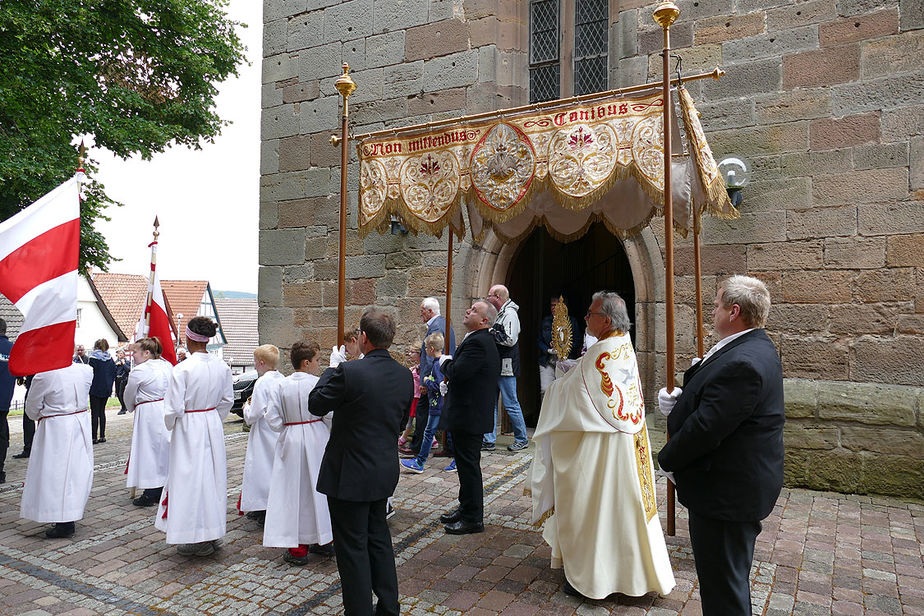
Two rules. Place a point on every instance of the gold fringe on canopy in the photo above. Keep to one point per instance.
(582, 156)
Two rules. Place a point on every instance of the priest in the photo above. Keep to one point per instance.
(592, 478)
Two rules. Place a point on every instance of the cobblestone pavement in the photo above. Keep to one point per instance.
(819, 553)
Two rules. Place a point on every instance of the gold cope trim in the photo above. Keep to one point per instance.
(645, 479)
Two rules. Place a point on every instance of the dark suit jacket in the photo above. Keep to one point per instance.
(371, 398)
(726, 432)
(473, 373)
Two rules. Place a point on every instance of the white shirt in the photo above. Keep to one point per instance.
(724, 341)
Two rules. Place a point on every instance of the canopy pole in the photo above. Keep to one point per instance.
(698, 273)
(447, 320)
(664, 15)
(345, 86)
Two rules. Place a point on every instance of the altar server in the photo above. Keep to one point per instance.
(261, 440)
(144, 396)
(592, 478)
(193, 509)
(60, 472)
(297, 516)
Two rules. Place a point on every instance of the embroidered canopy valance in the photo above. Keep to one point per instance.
(561, 166)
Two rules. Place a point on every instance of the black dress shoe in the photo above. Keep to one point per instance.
(464, 528)
(61, 530)
(144, 501)
(2, 476)
(95, 441)
(571, 591)
(22, 455)
(453, 516)
(102, 440)
(324, 550)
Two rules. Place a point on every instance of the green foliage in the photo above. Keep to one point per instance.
(137, 75)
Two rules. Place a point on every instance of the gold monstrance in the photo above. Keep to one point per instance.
(562, 336)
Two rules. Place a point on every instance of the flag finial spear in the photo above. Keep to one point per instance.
(156, 226)
(81, 156)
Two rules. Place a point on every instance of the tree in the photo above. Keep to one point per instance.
(137, 75)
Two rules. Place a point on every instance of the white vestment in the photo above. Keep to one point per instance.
(593, 477)
(144, 395)
(194, 504)
(261, 443)
(60, 473)
(296, 513)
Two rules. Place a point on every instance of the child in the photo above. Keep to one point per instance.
(261, 441)
(434, 348)
(297, 516)
(412, 361)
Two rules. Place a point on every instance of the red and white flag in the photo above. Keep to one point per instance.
(156, 312)
(39, 249)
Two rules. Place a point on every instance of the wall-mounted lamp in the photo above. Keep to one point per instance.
(396, 227)
(737, 175)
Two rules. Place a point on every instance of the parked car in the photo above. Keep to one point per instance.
(243, 389)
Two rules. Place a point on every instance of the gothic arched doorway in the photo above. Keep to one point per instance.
(542, 267)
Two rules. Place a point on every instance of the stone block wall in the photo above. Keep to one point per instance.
(821, 97)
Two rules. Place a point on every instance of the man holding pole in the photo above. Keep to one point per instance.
(726, 444)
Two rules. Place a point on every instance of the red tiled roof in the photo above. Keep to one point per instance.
(239, 322)
(184, 297)
(124, 295)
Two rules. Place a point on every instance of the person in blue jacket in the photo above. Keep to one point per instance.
(104, 372)
(433, 344)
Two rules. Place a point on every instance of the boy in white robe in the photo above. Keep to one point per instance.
(193, 511)
(261, 440)
(592, 478)
(297, 516)
(148, 460)
(60, 473)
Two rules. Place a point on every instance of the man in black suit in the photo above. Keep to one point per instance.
(469, 412)
(726, 444)
(359, 471)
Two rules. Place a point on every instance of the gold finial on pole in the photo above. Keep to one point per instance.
(156, 227)
(346, 86)
(81, 156)
(665, 14)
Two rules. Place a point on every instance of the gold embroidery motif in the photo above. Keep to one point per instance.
(645, 480)
(606, 385)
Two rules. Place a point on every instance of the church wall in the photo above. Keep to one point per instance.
(823, 98)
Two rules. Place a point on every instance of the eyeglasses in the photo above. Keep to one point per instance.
(589, 313)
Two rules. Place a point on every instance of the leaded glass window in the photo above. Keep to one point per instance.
(544, 64)
(590, 46)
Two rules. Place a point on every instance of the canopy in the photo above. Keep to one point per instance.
(563, 166)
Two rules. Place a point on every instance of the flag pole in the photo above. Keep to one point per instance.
(150, 297)
(346, 86)
(698, 272)
(665, 15)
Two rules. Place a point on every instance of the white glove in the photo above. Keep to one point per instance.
(443, 359)
(667, 474)
(666, 401)
(444, 387)
(337, 356)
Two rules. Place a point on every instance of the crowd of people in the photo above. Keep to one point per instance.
(325, 449)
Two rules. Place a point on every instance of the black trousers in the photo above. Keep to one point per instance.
(468, 464)
(723, 552)
(28, 433)
(120, 391)
(365, 557)
(98, 416)
(4, 437)
(420, 422)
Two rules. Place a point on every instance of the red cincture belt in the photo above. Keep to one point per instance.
(199, 410)
(62, 414)
(137, 404)
(298, 423)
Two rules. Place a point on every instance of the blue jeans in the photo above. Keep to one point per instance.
(508, 390)
(432, 422)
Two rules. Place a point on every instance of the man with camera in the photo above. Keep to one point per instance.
(506, 332)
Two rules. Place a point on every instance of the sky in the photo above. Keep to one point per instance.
(214, 191)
